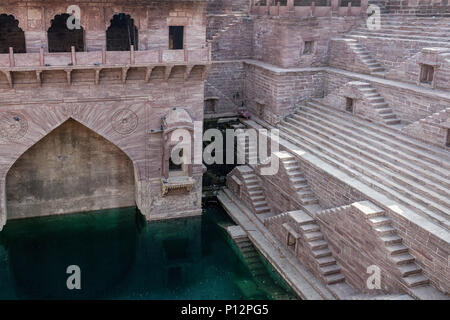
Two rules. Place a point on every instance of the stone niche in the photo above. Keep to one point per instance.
(434, 66)
(178, 137)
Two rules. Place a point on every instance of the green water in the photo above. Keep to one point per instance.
(123, 257)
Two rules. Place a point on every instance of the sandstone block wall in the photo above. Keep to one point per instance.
(356, 246)
(431, 129)
(42, 109)
(291, 88)
(65, 172)
(152, 20)
(408, 104)
(281, 42)
(341, 56)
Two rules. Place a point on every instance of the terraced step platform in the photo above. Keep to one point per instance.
(407, 171)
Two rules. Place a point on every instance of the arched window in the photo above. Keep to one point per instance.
(122, 33)
(61, 38)
(11, 35)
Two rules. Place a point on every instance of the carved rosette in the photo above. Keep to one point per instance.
(13, 126)
(124, 121)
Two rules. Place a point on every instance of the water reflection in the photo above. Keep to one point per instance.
(123, 257)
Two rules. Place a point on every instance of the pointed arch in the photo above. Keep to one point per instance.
(87, 172)
(61, 39)
(122, 33)
(11, 35)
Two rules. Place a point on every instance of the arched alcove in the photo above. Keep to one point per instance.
(72, 169)
(61, 38)
(11, 35)
(122, 33)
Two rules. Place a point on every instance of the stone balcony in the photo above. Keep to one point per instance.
(272, 8)
(37, 64)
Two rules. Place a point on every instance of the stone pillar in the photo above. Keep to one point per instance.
(335, 6)
(95, 40)
(364, 6)
(291, 7)
(34, 40)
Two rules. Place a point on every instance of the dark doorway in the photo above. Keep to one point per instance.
(61, 39)
(176, 37)
(447, 141)
(350, 104)
(122, 33)
(426, 73)
(11, 35)
(309, 47)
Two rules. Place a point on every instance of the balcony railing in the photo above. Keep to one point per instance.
(319, 8)
(104, 58)
(42, 62)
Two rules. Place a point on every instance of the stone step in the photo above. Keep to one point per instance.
(261, 210)
(397, 249)
(380, 33)
(307, 228)
(411, 200)
(255, 192)
(326, 261)
(302, 186)
(385, 230)
(335, 278)
(309, 201)
(258, 204)
(404, 258)
(391, 239)
(430, 43)
(257, 198)
(376, 154)
(330, 270)
(318, 244)
(416, 280)
(311, 236)
(320, 253)
(390, 142)
(409, 269)
(380, 221)
(254, 187)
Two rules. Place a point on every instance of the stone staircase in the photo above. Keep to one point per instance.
(374, 67)
(249, 149)
(256, 194)
(403, 169)
(304, 227)
(235, 20)
(410, 272)
(376, 103)
(298, 181)
(259, 271)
